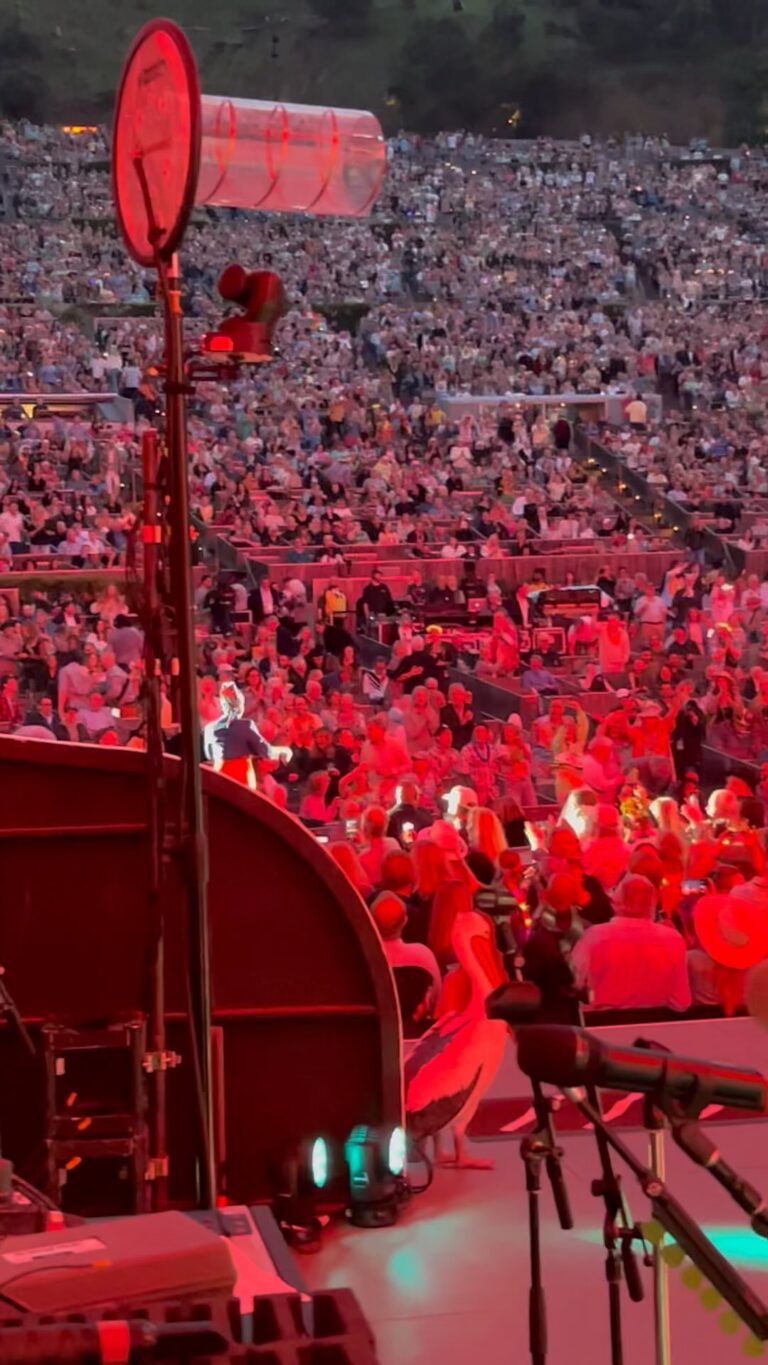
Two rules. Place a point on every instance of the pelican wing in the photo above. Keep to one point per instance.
(440, 1113)
(441, 1077)
(431, 1045)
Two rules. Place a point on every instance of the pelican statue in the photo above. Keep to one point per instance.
(454, 1063)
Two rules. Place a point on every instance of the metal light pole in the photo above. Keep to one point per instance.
(172, 148)
(192, 842)
(157, 1058)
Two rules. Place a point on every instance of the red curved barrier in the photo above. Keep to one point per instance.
(301, 987)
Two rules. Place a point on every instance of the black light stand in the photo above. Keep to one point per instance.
(191, 841)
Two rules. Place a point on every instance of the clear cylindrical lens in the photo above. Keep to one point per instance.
(289, 158)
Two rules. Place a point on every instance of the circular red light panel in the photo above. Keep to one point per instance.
(156, 142)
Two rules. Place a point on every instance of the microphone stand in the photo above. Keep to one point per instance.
(692, 1140)
(619, 1232)
(653, 1123)
(537, 1149)
(532, 1151)
(671, 1215)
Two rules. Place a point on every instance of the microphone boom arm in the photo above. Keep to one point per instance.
(671, 1215)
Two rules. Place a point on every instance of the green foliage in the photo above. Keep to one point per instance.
(548, 92)
(507, 24)
(439, 83)
(742, 22)
(442, 69)
(18, 47)
(24, 94)
(347, 15)
(637, 30)
(746, 117)
(23, 88)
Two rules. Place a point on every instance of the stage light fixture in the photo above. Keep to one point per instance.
(320, 1164)
(376, 1162)
(397, 1151)
(247, 336)
(302, 1178)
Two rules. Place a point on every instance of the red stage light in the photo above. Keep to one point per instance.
(261, 295)
(215, 342)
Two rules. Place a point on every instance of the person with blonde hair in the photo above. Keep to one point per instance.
(376, 843)
(315, 804)
(345, 856)
(485, 833)
(431, 871)
(666, 813)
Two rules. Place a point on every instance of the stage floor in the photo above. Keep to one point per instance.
(448, 1284)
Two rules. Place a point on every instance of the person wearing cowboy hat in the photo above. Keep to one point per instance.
(732, 937)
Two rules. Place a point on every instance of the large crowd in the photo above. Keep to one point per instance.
(479, 667)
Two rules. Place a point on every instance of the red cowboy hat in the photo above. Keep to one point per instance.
(731, 931)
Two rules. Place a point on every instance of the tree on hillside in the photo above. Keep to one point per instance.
(507, 24)
(24, 92)
(642, 30)
(746, 118)
(345, 14)
(439, 81)
(18, 47)
(740, 21)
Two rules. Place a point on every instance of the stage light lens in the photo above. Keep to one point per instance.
(396, 1152)
(320, 1163)
(218, 344)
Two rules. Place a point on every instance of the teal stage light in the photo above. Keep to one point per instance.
(376, 1165)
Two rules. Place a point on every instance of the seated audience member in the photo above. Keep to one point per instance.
(632, 962)
(376, 844)
(95, 719)
(316, 806)
(390, 915)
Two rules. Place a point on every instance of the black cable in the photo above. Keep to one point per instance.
(421, 1156)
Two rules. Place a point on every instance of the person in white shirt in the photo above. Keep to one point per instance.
(651, 612)
(390, 916)
(631, 962)
(130, 379)
(12, 523)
